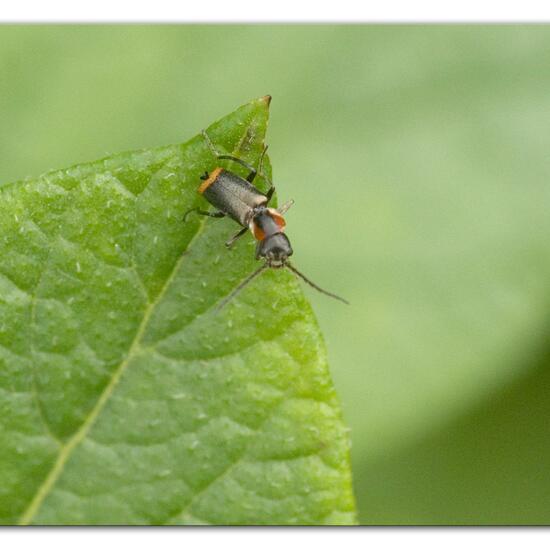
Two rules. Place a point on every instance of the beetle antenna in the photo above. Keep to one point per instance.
(249, 279)
(312, 284)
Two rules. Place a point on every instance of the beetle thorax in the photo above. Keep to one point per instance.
(266, 222)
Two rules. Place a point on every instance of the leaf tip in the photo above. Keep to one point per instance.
(266, 99)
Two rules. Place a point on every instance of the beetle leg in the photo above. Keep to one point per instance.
(261, 163)
(270, 192)
(282, 209)
(218, 214)
(209, 143)
(239, 233)
(271, 189)
(260, 168)
(253, 171)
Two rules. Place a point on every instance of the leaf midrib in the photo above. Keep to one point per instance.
(67, 450)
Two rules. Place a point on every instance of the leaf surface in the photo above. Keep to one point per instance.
(125, 398)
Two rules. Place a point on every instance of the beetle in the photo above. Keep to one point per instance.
(239, 199)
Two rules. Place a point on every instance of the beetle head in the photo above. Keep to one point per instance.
(275, 249)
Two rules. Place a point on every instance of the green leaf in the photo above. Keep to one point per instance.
(124, 398)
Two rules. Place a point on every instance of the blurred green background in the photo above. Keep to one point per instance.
(419, 159)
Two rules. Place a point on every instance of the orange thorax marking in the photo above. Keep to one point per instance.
(267, 223)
